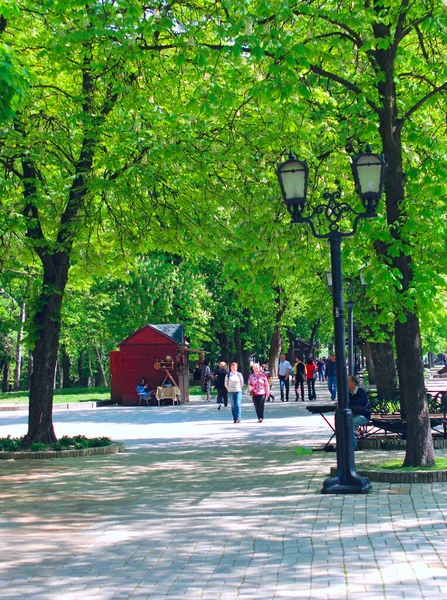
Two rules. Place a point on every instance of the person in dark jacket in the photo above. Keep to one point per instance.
(331, 376)
(299, 373)
(358, 403)
(219, 385)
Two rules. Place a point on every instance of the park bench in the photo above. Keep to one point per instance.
(386, 416)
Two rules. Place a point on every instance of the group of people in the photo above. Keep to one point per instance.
(322, 369)
(229, 384)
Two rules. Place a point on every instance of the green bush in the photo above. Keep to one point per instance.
(10, 444)
(39, 447)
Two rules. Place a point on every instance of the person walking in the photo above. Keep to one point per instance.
(259, 390)
(311, 375)
(234, 383)
(284, 373)
(266, 371)
(206, 380)
(299, 372)
(331, 375)
(320, 369)
(219, 385)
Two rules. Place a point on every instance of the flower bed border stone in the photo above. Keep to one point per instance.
(113, 448)
(386, 476)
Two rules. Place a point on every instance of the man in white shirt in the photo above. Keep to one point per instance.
(283, 373)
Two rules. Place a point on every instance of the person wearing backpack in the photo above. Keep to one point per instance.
(234, 383)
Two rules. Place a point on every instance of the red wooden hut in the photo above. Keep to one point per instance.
(150, 352)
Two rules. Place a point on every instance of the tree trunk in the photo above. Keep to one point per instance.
(310, 353)
(5, 381)
(244, 346)
(46, 324)
(30, 370)
(369, 364)
(224, 343)
(104, 382)
(291, 350)
(275, 351)
(384, 366)
(408, 343)
(66, 364)
(60, 375)
(82, 379)
(238, 347)
(18, 367)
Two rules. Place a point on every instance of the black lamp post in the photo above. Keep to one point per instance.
(369, 172)
(353, 296)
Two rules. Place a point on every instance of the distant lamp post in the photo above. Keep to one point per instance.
(18, 367)
(369, 176)
(353, 297)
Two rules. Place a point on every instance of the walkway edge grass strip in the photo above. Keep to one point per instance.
(114, 448)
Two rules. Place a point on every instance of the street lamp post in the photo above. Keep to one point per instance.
(369, 172)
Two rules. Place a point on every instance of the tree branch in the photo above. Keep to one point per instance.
(423, 100)
(345, 83)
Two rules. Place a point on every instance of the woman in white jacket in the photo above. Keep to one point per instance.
(234, 383)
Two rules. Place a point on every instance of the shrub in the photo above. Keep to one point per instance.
(10, 444)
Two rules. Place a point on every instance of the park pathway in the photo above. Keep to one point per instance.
(200, 508)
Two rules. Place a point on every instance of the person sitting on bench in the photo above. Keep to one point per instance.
(358, 403)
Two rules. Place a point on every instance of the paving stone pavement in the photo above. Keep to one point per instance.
(201, 508)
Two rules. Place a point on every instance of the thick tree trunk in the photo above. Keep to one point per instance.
(275, 351)
(224, 343)
(384, 366)
(46, 324)
(408, 343)
(369, 364)
(413, 396)
(30, 370)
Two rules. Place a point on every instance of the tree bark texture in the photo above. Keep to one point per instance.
(5, 379)
(238, 346)
(46, 323)
(369, 364)
(275, 351)
(244, 346)
(66, 364)
(408, 342)
(291, 350)
(18, 367)
(310, 353)
(224, 343)
(384, 366)
(102, 373)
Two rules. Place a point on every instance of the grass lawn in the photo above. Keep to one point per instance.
(61, 396)
(396, 465)
(78, 395)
